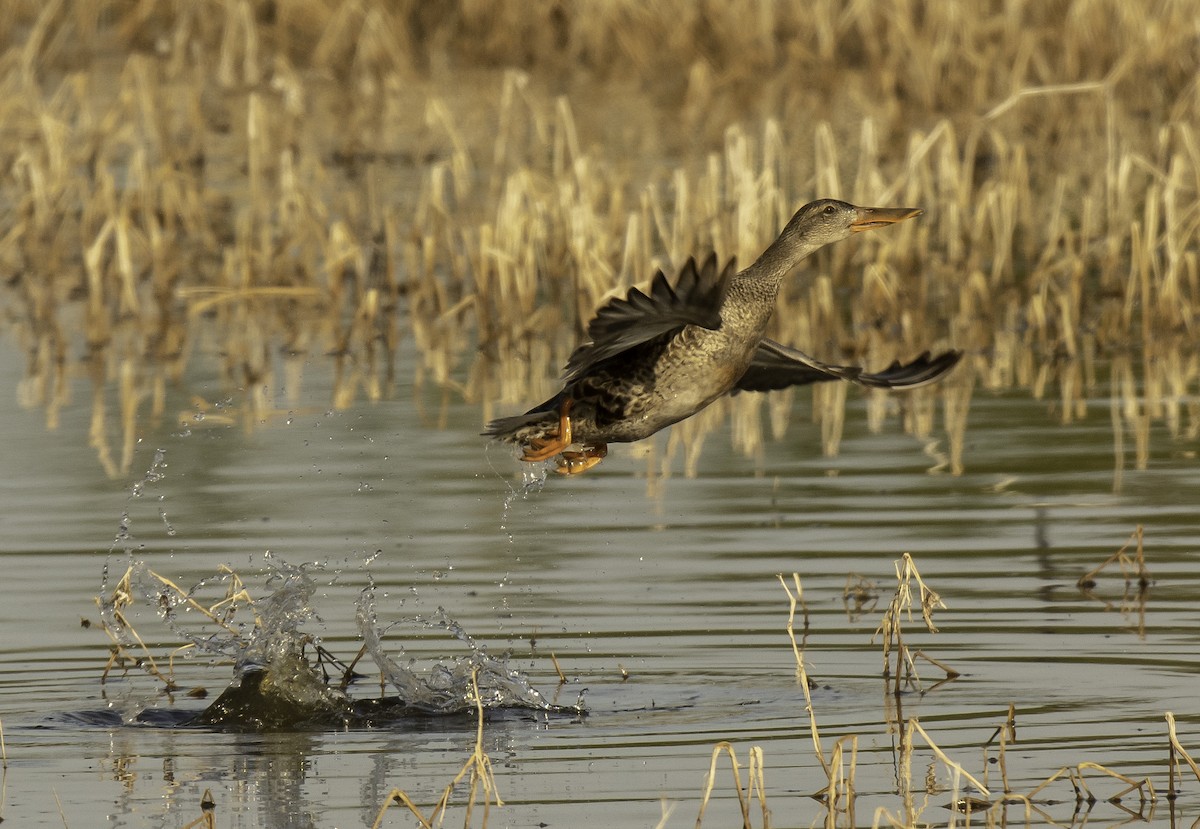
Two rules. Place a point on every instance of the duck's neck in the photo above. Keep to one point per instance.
(754, 289)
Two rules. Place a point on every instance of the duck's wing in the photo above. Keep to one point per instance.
(622, 324)
(777, 366)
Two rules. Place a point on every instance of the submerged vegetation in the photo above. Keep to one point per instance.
(245, 185)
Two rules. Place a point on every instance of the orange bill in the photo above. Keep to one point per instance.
(873, 217)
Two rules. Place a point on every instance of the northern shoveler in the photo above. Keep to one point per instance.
(654, 359)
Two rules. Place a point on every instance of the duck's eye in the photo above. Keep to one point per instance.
(830, 210)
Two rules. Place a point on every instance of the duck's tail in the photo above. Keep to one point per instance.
(537, 422)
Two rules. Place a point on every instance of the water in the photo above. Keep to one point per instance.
(661, 602)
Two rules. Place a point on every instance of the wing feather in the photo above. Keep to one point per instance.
(625, 323)
(776, 366)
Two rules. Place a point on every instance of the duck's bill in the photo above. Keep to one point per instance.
(873, 217)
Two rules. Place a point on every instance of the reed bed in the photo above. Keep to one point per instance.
(265, 181)
(971, 798)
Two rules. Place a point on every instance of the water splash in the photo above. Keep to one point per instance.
(153, 474)
(533, 480)
(282, 677)
(445, 688)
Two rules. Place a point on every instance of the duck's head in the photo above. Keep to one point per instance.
(824, 221)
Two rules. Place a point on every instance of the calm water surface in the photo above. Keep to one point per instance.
(665, 608)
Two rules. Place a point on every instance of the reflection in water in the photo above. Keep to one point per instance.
(1149, 395)
(279, 763)
(680, 590)
(263, 774)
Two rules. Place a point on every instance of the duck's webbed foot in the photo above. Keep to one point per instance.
(576, 463)
(544, 448)
(568, 462)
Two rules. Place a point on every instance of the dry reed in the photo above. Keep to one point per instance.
(891, 632)
(208, 813)
(838, 794)
(287, 179)
(1007, 732)
(1133, 569)
(1175, 752)
(477, 770)
(755, 784)
(58, 803)
(122, 633)
(794, 601)
(1083, 794)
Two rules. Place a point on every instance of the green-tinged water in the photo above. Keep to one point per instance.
(665, 608)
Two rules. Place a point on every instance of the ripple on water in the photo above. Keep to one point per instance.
(665, 607)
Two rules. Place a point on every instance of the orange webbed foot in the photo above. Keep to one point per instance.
(541, 449)
(576, 463)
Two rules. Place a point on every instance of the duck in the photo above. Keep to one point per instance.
(652, 359)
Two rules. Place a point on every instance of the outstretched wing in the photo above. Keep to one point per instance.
(777, 366)
(622, 324)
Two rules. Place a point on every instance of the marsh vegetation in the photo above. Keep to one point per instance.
(431, 199)
(259, 183)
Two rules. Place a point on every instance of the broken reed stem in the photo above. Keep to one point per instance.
(1144, 787)
(794, 600)
(208, 813)
(3, 748)
(478, 765)
(61, 813)
(399, 796)
(348, 674)
(839, 783)
(839, 794)
(754, 781)
(562, 679)
(930, 600)
(122, 597)
(1064, 770)
(1008, 731)
(835, 776)
(1053, 89)
(667, 810)
(1130, 567)
(1083, 794)
(950, 672)
(1176, 751)
(891, 625)
(914, 726)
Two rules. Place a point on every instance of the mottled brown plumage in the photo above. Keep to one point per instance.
(654, 359)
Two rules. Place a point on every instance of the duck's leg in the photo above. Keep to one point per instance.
(540, 449)
(576, 463)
